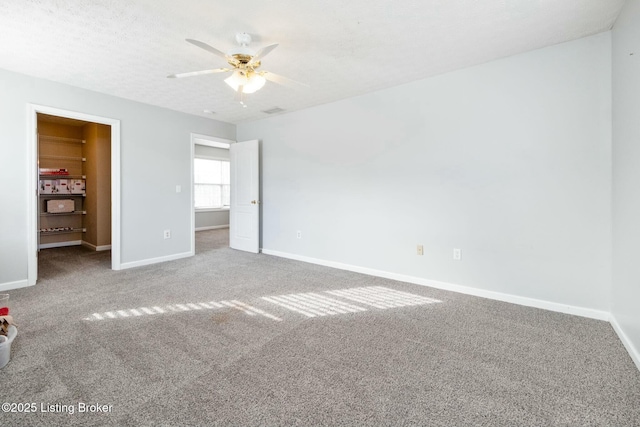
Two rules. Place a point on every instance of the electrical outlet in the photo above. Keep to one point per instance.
(167, 234)
(420, 250)
(457, 254)
(299, 234)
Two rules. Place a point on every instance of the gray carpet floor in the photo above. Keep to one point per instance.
(230, 338)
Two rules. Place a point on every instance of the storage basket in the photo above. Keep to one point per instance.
(77, 186)
(47, 186)
(5, 346)
(62, 186)
(61, 206)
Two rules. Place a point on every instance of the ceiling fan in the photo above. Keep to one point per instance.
(245, 63)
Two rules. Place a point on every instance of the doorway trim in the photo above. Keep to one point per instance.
(209, 141)
(33, 180)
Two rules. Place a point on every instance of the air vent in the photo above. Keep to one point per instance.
(273, 110)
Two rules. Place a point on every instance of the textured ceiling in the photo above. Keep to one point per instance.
(340, 48)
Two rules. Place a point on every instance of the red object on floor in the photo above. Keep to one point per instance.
(4, 311)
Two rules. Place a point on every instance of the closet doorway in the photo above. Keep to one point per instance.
(76, 176)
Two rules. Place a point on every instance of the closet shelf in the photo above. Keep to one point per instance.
(63, 195)
(62, 176)
(65, 231)
(63, 213)
(62, 139)
(77, 159)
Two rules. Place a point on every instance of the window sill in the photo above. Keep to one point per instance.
(212, 209)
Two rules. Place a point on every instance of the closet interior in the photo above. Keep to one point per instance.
(74, 197)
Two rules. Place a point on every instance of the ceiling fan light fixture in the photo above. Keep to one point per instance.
(255, 83)
(235, 79)
(250, 84)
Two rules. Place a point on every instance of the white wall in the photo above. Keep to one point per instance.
(509, 161)
(156, 156)
(625, 305)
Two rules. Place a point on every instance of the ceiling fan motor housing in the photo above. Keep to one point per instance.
(242, 53)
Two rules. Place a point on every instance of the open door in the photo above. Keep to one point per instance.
(244, 217)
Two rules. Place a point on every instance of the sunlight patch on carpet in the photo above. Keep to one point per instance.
(381, 297)
(179, 308)
(313, 304)
(309, 304)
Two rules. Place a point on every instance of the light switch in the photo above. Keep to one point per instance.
(178, 189)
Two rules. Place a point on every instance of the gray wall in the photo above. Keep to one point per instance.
(208, 219)
(509, 161)
(156, 156)
(625, 305)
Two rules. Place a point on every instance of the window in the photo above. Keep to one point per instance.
(211, 183)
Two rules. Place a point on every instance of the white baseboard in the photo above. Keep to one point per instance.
(96, 248)
(514, 299)
(60, 244)
(631, 349)
(14, 285)
(157, 260)
(212, 227)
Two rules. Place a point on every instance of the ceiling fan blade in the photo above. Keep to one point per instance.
(281, 80)
(198, 73)
(263, 52)
(208, 48)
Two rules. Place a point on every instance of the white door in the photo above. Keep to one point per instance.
(244, 217)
